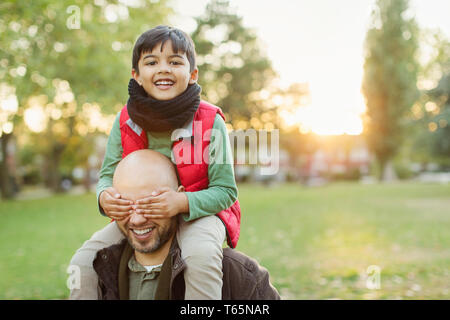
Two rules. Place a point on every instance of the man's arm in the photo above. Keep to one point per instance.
(245, 279)
(264, 289)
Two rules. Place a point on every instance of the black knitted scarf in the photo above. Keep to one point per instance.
(162, 115)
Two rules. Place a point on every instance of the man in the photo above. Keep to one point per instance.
(147, 265)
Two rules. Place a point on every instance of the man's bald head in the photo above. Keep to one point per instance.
(136, 177)
(142, 172)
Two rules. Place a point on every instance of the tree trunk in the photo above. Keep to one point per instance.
(87, 177)
(53, 155)
(54, 159)
(387, 171)
(5, 180)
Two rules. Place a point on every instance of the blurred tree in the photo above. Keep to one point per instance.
(435, 58)
(439, 125)
(300, 146)
(73, 53)
(231, 63)
(6, 185)
(389, 82)
(294, 138)
(433, 136)
(429, 132)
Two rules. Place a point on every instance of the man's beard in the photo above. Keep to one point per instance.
(160, 237)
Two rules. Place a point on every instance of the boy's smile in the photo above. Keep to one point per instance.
(164, 74)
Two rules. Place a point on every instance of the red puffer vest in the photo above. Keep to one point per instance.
(193, 167)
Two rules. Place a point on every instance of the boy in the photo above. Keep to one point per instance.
(165, 96)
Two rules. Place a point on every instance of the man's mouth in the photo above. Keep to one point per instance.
(142, 233)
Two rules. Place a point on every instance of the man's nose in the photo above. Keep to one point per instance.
(137, 219)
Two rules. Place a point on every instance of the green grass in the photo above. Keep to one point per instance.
(317, 243)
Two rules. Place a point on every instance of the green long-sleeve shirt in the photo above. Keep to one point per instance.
(222, 190)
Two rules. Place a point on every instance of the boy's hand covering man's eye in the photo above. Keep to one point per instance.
(114, 206)
(162, 203)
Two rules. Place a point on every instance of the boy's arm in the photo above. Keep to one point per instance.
(113, 155)
(222, 191)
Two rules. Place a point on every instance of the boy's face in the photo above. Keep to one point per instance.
(164, 75)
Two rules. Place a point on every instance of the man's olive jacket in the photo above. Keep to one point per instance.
(243, 277)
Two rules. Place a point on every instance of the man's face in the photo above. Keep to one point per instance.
(164, 74)
(147, 235)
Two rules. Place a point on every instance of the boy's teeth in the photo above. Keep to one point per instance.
(164, 82)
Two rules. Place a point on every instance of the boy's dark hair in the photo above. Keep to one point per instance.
(160, 34)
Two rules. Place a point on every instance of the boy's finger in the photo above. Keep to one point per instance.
(117, 218)
(118, 215)
(157, 198)
(110, 196)
(121, 202)
(143, 206)
(158, 191)
(159, 212)
(144, 211)
(147, 200)
(154, 216)
(117, 208)
(153, 207)
(112, 192)
(120, 210)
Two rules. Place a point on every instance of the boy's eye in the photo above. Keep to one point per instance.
(176, 62)
(152, 63)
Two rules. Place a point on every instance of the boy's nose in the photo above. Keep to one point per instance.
(164, 68)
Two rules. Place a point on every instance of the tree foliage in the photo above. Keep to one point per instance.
(231, 62)
(69, 58)
(390, 76)
(429, 136)
(440, 145)
(433, 137)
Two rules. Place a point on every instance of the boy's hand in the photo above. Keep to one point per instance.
(162, 203)
(114, 205)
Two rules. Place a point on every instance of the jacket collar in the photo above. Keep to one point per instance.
(123, 271)
(172, 267)
(184, 132)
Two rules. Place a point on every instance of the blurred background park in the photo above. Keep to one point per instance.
(359, 207)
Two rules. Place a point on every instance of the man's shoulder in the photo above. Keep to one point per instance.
(109, 256)
(240, 259)
(245, 278)
(244, 263)
(106, 264)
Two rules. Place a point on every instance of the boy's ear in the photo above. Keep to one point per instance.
(194, 76)
(135, 76)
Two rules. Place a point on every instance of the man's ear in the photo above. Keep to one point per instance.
(194, 76)
(180, 188)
